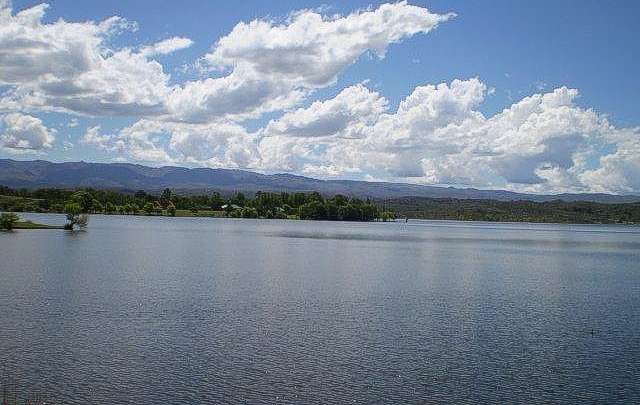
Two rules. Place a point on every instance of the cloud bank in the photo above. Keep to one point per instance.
(546, 142)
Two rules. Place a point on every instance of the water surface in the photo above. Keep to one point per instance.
(152, 310)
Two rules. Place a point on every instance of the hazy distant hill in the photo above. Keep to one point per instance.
(125, 176)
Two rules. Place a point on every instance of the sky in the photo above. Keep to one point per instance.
(528, 96)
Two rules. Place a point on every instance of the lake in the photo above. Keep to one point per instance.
(155, 310)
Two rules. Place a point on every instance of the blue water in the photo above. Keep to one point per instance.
(150, 310)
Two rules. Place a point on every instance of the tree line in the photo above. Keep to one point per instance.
(556, 211)
(300, 205)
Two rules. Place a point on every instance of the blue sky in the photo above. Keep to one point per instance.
(514, 49)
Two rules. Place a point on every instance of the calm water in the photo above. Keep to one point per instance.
(191, 311)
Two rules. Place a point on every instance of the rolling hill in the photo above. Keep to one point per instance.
(131, 177)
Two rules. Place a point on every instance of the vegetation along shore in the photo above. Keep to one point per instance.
(78, 202)
(312, 205)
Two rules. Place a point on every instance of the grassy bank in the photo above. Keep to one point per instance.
(34, 225)
(10, 221)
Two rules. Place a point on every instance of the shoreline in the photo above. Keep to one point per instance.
(35, 225)
(398, 220)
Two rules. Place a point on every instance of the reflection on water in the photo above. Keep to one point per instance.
(144, 310)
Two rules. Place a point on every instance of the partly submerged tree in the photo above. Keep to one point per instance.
(8, 220)
(76, 217)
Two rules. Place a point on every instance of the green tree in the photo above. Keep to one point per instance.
(339, 199)
(109, 208)
(388, 216)
(165, 197)
(297, 199)
(75, 216)
(315, 196)
(157, 207)
(369, 212)
(216, 201)
(332, 209)
(171, 209)
(286, 208)
(312, 210)
(239, 199)
(8, 220)
(148, 208)
(248, 212)
(83, 199)
(96, 206)
(350, 212)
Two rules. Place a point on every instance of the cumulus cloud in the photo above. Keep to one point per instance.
(437, 135)
(311, 49)
(21, 132)
(346, 115)
(67, 67)
(543, 143)
(93, 137)
(617, 172)
(220, 144)
(167, 46)
(274, 66)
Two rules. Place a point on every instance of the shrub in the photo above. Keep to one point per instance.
(8, 220)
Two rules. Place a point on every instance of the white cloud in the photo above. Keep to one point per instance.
(93, 137)
(274, 66)
(617, 172)
(167, 46)
(73, 123)
(220, 144)
(346, 115)
(311, 49)
(67, 67)
(24, 132)
(544, 143)
(437, 135)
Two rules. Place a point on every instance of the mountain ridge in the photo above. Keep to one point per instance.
(33, 174)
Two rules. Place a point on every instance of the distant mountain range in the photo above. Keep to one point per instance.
(131, 177)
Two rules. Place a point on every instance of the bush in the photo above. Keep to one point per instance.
(248, 212)
(8, 220)
(312, 210)
(148, 208)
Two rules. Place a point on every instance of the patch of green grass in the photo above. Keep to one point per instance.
(34, 225)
